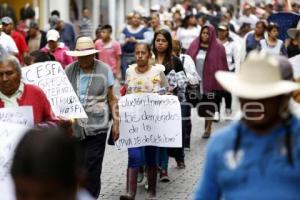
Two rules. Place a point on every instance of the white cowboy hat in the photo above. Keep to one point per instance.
(84, 47)
(260, 77)
(292, 32)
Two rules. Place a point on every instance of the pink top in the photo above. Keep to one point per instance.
(60, 54)
(109, 53)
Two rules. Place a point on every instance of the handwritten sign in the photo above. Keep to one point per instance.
(10, 136)
(18, 115)
(51, 78)
(149, 119)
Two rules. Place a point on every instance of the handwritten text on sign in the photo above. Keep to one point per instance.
(10, 136)
(51, 78)
(18, 115)
(149, 119)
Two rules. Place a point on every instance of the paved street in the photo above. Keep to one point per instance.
(182, 181)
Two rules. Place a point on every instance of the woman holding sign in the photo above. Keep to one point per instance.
(143, 77)
(163, 49)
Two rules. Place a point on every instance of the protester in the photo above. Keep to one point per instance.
(248, 17)
(143, 77)
(85, 24)
(253, 39)
(133, 33)
(272, 44)
(36, 38)
(46, 165)
(293, 48)
(156, 25)
(57, 49)
(38, 56)
(162, 49)
(233, 60)
(14, 92)
(210, 57)
(269, 135)
(188, 31)
(66, 31)
(93, 82)
(97, 33)
(194, 80)
(109, 50)
(8, 28)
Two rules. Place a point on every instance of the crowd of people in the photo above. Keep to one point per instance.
(201, 53)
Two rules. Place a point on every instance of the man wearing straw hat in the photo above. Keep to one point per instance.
(93, 82)
(257, 157)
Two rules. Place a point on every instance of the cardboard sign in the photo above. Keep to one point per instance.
(10, 135)
(149, 119)
(51, 78)
(19, 115)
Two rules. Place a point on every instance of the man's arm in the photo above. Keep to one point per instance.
(113, 105)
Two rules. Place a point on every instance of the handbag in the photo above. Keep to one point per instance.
(193, 94)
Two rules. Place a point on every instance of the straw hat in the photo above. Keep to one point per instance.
(260, 77)
(292, 32)
(84, 47)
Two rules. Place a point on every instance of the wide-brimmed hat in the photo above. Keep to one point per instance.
(84, 47)
(260, 77)
(292, 32)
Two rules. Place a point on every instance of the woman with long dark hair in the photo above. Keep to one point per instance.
(188, 31)
(162, 48)
(210, 56)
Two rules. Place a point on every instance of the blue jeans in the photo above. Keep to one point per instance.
(140, 156)
(127, 59)
(163, 158)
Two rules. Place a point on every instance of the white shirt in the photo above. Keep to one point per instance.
(12, 100)
(190, 69)
(251, 19)
(8, 43)
(295, 61)
(186, 36)
(232, 55)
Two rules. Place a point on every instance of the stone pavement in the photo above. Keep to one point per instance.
(182, 181)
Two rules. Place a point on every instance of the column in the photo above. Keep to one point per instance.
(96, 14)
(112, 15)
(62, 7)
(121, 17)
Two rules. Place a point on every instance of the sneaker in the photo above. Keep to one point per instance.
(216, 117)
(228, 113)
(163, 177)
(140, 177)
(180, 164)
(187, 149)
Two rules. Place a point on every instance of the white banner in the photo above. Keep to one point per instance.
(51, 78)
(149, 119)
(10, 135)
(19, 115)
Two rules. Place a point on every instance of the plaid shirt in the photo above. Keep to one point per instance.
(179, 81)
